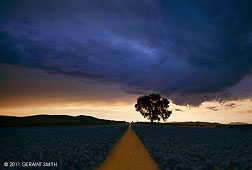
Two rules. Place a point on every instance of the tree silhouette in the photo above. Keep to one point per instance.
(154, 107)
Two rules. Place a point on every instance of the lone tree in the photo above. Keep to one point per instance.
(154, 107)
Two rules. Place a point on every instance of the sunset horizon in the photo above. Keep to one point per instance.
(78, 96)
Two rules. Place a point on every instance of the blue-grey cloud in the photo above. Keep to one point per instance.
(213, 108)
(190, 51)
(231, 105)
(179, 110)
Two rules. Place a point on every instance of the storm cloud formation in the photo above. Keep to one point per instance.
(189, 51)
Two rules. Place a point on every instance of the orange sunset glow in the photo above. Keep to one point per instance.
(24, 93)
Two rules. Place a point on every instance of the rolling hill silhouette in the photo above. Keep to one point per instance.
(54, 120)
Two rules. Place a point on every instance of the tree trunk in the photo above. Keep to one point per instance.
(152, 121)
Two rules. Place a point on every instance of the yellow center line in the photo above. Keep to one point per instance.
(129, 153)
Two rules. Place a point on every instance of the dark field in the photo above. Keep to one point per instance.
(72, 147)
(198, 148)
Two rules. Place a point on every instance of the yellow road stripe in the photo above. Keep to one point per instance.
(129, 153)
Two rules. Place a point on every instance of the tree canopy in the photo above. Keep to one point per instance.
(153, 107)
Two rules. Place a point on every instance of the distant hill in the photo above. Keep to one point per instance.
(54, 120)
(199, 124)
(238, 123)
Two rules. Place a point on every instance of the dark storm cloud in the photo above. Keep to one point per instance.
(190, 51)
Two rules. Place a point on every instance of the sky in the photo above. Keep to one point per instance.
(79, 57)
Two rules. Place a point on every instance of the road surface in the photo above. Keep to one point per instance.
(129, 153)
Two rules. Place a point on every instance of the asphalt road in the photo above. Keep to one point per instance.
(129, 153)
